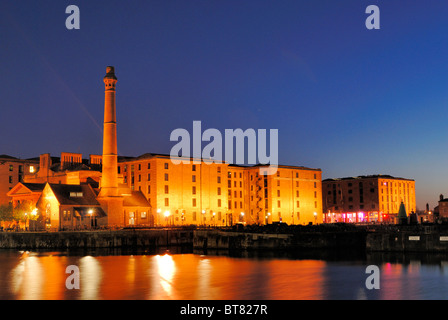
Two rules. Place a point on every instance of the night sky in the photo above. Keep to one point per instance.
(345, 99)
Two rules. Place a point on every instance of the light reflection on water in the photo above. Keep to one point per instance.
(41, 276)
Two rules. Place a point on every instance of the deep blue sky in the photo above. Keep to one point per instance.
(345, 99)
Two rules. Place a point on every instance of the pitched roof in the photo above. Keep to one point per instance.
(74, 194)
(136, 199)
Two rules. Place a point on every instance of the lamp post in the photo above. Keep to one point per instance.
(203, 214)
(267, 217)
(158, 215)
(167, 215)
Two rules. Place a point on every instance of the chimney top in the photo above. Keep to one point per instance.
(110, 73)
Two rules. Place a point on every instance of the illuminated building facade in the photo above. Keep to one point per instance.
(80, 195)
(374, 198)
(219, 194)
(150, 190)
(13, 171)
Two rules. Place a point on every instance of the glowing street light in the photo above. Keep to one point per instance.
(166, 214)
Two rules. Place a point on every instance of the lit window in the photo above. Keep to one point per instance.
(32, 169)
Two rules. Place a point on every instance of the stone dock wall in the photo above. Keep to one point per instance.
(95, 239)
(214, 239)
(381, 239)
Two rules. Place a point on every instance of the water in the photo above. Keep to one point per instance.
(165, 276)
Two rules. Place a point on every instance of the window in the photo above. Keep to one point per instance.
(298, 204)
(278, 204)
(149, 165)
(193, 167)
(194, 202)
(11, 168)
(315, 194)
(143, 215)
(32, 169)
(278, 193)
(194, 190)
(139, 178)
(167, 202)
(139, 166)
(166, 165)
(194, 215)
(20, 169)
(219, 179)
(166, 176)
(315, 184)
(149, 177)
(76, 194)
(193, 178)
(166, 190)
(297, 193)
(219, 203)
(219, 169)
(315, 176)
(219, 191)
(315, 204)
(297, 174)
(149, 189)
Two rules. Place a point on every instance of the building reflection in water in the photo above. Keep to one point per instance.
(27, 278)
(91, 275)
(161, 273)
(192, 276)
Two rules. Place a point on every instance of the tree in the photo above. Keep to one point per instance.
(6, 212)
(24, 211)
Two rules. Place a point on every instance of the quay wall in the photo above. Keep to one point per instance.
(408, 241)
(215, 239)
(95, 239)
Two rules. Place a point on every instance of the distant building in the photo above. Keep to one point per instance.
(374, 198)
(70, 168)
(442, 208)
(12, 171)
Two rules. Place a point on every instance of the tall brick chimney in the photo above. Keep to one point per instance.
(109, 179)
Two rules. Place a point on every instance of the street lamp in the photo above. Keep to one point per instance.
(166, 214)
(158, 215)
(267, 217)
(203, 214)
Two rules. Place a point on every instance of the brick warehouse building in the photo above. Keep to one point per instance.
(219, 194)
(374, 198)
